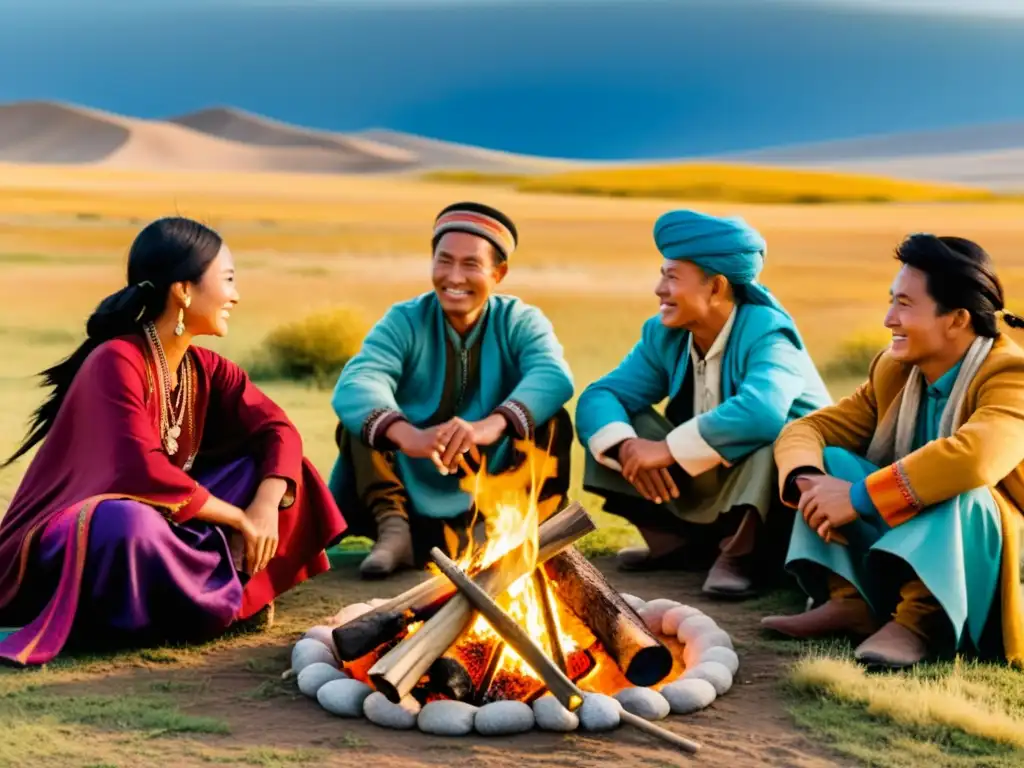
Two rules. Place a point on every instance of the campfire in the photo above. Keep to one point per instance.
(516, 615)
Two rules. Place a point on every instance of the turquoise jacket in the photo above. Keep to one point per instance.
(401, 368)
(768, 379)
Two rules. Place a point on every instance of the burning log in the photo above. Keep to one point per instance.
(400, 670)
(561, 686)
(466, 672)
(641, 656)
(467, 668)
(362, 635)
(511, 684)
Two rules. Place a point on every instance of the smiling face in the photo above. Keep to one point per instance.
(686, 294)
(465, 273)
(213, 297)
(922, 332)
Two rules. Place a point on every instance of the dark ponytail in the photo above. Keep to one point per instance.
(166, 252)
(960, 275)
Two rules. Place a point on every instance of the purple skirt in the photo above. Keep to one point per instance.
(144, 579)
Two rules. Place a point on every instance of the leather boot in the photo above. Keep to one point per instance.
(391, 551)
(728, 578)
(850, 616)
(892, 647)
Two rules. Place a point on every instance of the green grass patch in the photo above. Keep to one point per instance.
(152, 713)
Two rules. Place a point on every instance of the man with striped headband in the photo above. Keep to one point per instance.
(698, 480)
(457, 374)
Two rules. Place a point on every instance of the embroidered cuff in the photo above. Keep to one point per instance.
(376, 427)
(691, 451)
(890, 491)
(861, 501)
(518, 416)
(606, 438)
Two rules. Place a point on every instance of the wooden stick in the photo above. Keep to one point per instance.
(540, 581)
(400, 670)
(637, 651)
(560, 686)
(360, 636)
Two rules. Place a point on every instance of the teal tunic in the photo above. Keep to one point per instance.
(768, 379)
(403, 371)
(953, 547)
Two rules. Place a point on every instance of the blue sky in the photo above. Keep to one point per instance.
(969, 7)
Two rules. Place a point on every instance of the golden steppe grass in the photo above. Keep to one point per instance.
(306, 243)
(728, 182)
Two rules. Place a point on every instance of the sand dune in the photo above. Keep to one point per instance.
(51, 133)
(247, 128)
(227, 139)
(437, 154)
(232, 140)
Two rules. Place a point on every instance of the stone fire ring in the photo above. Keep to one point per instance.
(708, 656)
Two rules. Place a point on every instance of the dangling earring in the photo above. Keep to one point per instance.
(179, 329)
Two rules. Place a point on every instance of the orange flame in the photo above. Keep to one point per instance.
(509, 506)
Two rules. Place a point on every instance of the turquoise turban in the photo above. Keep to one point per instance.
(719, 246)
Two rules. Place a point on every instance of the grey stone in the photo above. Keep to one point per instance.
(500, 718)
(633, 601)
(309, 651)
(552, 716)
(672, 619)
(343, 698)
(714, 672)
(447, 718)
(644, 702)
(692, 626)
(599, 712)
(725, 656)
(381, 711)
(349, 612)
(315, 675)
(690, 695)
(654, 611)
(699, 645)
(323, 634)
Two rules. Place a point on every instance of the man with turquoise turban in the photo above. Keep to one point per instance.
(698, 480)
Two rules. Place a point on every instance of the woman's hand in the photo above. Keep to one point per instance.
(260, 531)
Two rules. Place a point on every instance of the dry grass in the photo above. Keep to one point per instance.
(309, 243)
(729, 182)
(952, 702)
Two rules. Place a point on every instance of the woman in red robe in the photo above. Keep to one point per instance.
(169, 498)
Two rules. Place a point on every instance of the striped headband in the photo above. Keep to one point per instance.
(476, 223)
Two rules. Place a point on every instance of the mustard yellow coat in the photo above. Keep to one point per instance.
(986, 451)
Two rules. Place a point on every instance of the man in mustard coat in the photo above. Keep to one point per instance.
(910, 490)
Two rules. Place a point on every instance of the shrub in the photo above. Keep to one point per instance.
(314, 348)
(855, 354)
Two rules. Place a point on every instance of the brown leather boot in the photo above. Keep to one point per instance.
(728, 578)
(849, 616)
(392, 550)
(892, 647)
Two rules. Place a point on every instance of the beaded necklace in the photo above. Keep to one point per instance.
(172, 415)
